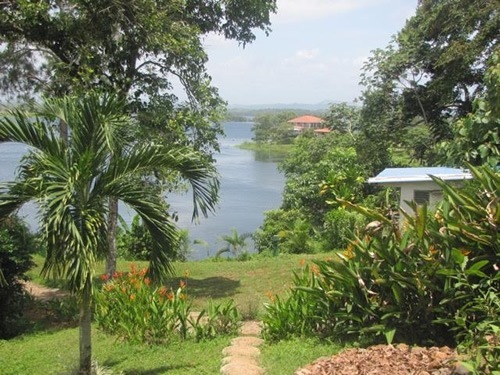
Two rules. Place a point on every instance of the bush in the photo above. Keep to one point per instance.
(339, 226)
(435, 282)
(131, 308)
(135, 242)
(16, 247)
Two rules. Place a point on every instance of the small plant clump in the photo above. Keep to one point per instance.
(132, 308)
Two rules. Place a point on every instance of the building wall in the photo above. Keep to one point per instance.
(408, 192)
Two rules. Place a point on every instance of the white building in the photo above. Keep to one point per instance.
(415, 184)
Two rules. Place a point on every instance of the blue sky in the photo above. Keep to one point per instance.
(314, 53)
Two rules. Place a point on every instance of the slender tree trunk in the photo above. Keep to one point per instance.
(85, 330)
(112, 224)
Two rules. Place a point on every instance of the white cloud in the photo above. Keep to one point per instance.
(301, 10)
(307, 54)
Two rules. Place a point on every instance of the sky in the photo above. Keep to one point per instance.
(314, 53)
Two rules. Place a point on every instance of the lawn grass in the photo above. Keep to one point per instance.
(248, 283)
(284, 357)
(56, 352)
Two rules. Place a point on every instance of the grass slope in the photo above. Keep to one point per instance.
(248, 283)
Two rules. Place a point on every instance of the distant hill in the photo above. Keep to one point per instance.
(276, 106)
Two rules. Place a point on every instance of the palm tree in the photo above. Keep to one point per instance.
(72, 181)
(235, 243)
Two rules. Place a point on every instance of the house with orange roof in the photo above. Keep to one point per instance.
(308, 122)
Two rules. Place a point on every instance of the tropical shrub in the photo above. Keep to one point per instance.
(339, 226)
(130, 307)
(17, 245)
(134, 242)
(435, 281)
(235, 244)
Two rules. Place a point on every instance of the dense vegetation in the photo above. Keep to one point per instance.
(431, 97)
(17, 245)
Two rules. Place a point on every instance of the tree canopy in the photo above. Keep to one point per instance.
(434, 68)
(142, 49)
(72, 181)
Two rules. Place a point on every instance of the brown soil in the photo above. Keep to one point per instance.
(43, 293)
(388, 359)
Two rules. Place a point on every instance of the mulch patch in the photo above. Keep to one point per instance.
(388, 360)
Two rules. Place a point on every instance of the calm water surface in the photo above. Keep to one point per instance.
(249, 186)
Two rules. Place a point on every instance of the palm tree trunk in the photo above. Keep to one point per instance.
(112, 223)
(85, 330)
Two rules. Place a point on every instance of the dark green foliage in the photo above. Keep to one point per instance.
(431, 73)
(317, 170)
(343, 118)
(273, 127)
(317, 160)
(339, 226)
(135, 242)
(476, 139)
(435, 281)
(16, 247)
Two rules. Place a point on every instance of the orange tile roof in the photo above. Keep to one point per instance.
(306, 120)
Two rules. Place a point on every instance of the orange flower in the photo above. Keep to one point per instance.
(271, 296)
(132, 297)
(170, 296)
(315, 269)
(147, 281)
(302, 262)
(104, 277)
(132, 268)
(349, 252)
(433, 250)
(162, 291)
(186, 274)
(116, 275)
(465, 252)
(109, 287)
(182, 284)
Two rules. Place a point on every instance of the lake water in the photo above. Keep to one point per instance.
(250, 185)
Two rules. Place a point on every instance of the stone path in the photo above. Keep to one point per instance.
(43, 293)
(242, 356)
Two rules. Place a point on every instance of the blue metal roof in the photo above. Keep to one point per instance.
(394, 175)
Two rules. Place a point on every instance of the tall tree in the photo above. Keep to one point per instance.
(343, 118)
(476, 138)
(434, 67)
(72, 181)
(141, 49)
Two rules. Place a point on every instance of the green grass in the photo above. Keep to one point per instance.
(284, 357)
(57, 353)
(248, 283)
(267, 152)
